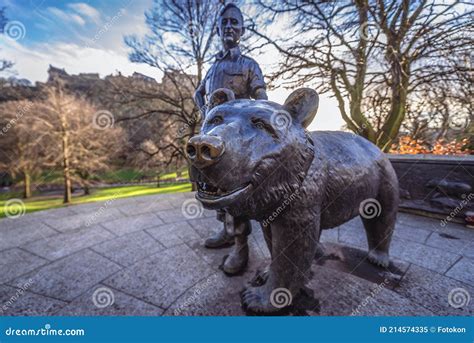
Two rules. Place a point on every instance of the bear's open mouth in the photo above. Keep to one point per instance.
(217, 197)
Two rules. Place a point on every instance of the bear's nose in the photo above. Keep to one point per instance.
(204, 151)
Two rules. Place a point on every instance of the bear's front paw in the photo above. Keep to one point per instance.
(265, 299)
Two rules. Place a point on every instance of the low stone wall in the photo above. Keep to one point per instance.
(434, 184)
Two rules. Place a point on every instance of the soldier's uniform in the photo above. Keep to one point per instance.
(234, 71)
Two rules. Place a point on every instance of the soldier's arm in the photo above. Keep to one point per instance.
(257, 83)
(199, 98)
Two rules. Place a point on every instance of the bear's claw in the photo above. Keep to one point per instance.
(257, 299)
(378, 258)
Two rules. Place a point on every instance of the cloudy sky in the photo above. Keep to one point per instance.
(87, 37)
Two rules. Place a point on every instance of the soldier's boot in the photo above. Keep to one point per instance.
(223, 238)
(238, 258)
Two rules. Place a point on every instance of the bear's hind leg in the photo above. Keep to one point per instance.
(379, 223)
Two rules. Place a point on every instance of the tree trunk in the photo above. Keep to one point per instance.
(87, 190)
(158, 181)
(400, 73)
(27, 185)
(66, 171)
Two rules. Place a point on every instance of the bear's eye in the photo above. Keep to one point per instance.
(216, 120)
(262, 125)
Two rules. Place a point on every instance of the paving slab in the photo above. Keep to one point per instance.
(161, 278)
(205, 227)
(341, 294)
(410, 233)
(20, 302)
(173, 234)
(431, 290)
(216, 294)
(82, 220)
(330, 236)
(422, 255)
(104, 301)
(18, 232)
(127, 225)
(129, 249)
(452, 244)
(144, 207)
(15, 262)
(463, 271)
(67, 243)
(69, 277)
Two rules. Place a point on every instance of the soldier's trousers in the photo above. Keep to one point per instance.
(234, 226)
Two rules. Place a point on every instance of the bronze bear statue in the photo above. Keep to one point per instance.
(256, 159)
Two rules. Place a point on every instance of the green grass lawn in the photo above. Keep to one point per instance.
(131, 175)
(38, 203)
(184, 175)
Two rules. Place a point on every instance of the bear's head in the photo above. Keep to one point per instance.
(251, 154)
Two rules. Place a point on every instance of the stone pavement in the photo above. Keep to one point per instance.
(145, 256)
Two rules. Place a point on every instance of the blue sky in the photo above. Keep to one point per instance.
(67, 21)
(87, 37)
(80, 36)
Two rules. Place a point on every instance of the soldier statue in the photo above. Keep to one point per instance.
(243, 76)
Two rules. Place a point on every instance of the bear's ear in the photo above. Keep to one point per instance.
(220, 96)
(302, 104)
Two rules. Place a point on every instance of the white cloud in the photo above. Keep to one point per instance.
(86, 10)
(66, 16)
(32, 62)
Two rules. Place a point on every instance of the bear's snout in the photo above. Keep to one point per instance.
(204, 150)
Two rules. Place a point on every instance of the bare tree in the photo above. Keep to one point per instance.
(84, 139)
(421, 41)
(353, 48)
(179, 45)
(22, 140)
